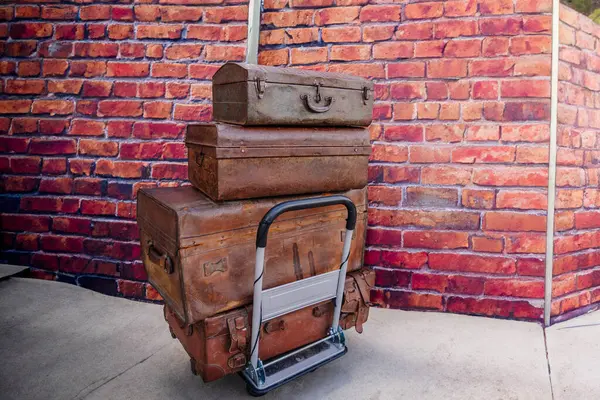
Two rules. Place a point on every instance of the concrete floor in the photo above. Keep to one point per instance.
(59, 341)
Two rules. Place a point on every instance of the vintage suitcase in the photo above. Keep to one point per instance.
(200, 255)
(229, 162)
(220, 345)
(247, 94)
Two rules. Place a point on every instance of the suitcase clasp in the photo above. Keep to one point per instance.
(313, 104)
(365, 95)
(260, 87)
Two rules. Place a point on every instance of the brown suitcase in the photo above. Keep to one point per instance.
(200, 255)
(248, 94)
(229, 162)
(220, 345)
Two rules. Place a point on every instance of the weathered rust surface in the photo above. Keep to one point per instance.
(229, 162)
(220, 345)
(247, 94)
(210, 247)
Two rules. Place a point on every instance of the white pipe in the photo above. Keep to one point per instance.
(552, 162)
(253, 31)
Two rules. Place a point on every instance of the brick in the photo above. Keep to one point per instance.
(65, 86)
(120, 169)
(350, 52)
(503, 67)
(587, 220)
(569, 198)
(121, 69)
(24, 86)
(408, 300)
(66, 244)
(28, 223)
(425, 219)
(430, 197)
(95, 12)
(521, 200)
(389, 153)
(26, 68)
(88, 186)
(530, 45)
(493, 7)
(58, 185)
(87, 69)
(98, 147)
(472, 263)
(432, 282)
(514, 222)
(483, 154)
(446, 69)
(52, 146)
(120, 108)
(407, 91)
(537, 24)
(486, 90)
(394, 174)
(454, 29)
(30, 30)
(176, 14)
(19, 184)
(446, 175)
(486, 244)
(25, 165)
(304, 17)
(427, 154)
(169, 170)
(240, 13)
(80, 167)
(54, 166)
(374, 33)
(538, 133)
(409, 133)
(391, 278)
(176, 90)
(189, 112)
(495, 46)
(363, 70)
(131, 50)
(463, 48)
(445, 133)
(380, 13)
(163, 31)
(515, 288)
(533, 6)
(23, 48)
(428, 111)
(385, 195)
(511, 176)
(426, 10)
(15, 106)
(157, 109)
(384, 237)
(183, 51)
(501, 26)
(50, 204)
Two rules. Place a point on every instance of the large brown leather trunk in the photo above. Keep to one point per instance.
(220, 345)
(199, 255)
(229, 162)
(247, 94)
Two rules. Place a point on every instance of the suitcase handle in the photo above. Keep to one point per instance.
(315, 106)
(261, 243)
(159, 258)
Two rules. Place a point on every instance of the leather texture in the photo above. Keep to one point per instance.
(220, 345)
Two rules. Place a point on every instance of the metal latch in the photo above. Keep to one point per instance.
(365, 94)
(260, 87)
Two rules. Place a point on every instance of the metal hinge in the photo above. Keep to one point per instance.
(365, 94)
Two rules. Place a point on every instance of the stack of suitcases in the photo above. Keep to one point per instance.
(281, 135)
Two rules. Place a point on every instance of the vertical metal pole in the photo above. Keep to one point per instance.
(552, 163)
(342, 280)
(257, 304)
(253, 31)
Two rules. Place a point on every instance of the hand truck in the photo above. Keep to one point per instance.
(271, 303)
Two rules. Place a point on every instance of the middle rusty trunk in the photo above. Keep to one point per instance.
(199, 254)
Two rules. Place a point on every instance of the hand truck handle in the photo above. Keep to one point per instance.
(261, 243)
(303, 204)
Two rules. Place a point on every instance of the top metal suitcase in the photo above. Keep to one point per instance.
(247, 94)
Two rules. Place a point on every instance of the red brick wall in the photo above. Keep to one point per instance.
(96, 100)
(577, 235)
(94, 104)
(460, 161)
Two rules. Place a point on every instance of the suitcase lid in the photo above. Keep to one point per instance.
(181, 216)
(240, 72)
(278, 141)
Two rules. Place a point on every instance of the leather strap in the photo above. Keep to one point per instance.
(237, 332)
